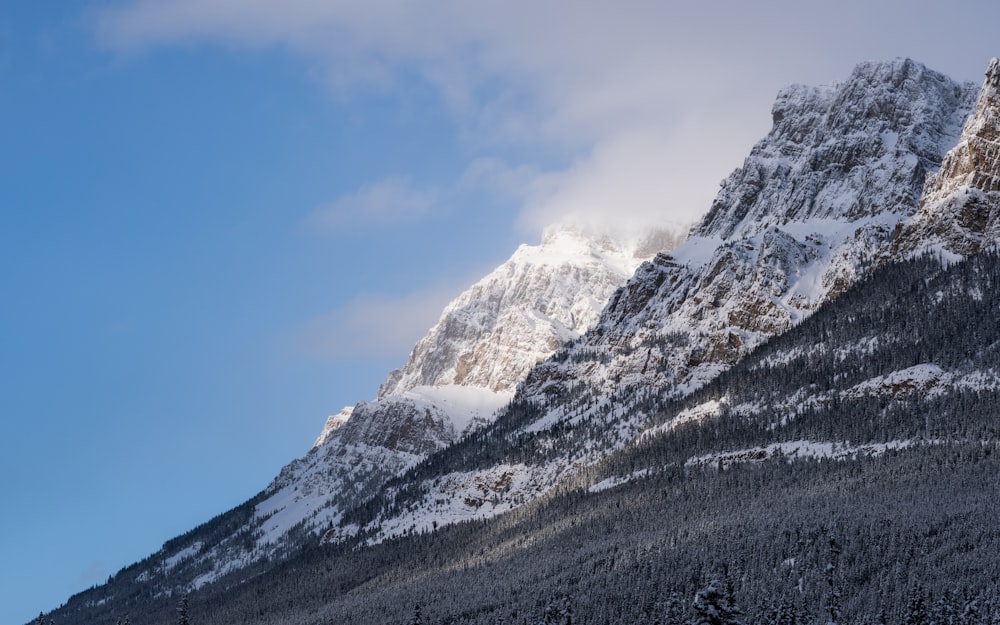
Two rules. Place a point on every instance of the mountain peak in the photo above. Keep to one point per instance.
(848, 151)
(543, 296)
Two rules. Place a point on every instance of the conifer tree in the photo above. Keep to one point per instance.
(833, 590)
(182, 611)
(713, 606)
(916, 610)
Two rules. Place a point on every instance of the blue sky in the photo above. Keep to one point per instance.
(223, 221)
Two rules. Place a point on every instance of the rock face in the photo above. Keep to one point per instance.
(814, 203)
(845, 152)
(960, 207)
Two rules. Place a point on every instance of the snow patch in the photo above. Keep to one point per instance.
(183, 554)
(706, 410)
(798, 450)
(463, 404)
(925, 378)
(617, 480)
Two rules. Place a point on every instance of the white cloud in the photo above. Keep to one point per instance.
(389, 201)
(650, 102)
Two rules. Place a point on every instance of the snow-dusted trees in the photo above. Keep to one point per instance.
(714, 605)
(182, 611)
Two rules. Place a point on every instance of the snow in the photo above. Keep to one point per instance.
(466, 495)
(925, 378)
(305, 497)
(696, 251)
(616, 481)
(706, 410)
(463, 404)
(799, 450)
(183, 554)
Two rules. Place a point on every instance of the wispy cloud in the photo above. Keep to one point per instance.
(388, 202)
(650, 103)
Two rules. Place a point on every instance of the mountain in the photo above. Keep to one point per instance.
(687, 428)
(455, 379)
(855, 456)
(813, 204)
(815, 207)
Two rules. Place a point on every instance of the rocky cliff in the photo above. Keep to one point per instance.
(960, 208)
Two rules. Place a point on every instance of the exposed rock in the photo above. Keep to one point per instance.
(960, 207)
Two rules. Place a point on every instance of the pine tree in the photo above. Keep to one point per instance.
(970, 613)
(713, 606)
(182, 611)
(833, 590)
(673, 612)
(784, 613)
(567, 612)
(916, 610)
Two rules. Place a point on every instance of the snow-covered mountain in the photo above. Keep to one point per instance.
(463, 371)
(454, 381)
(572, 353)
(540, 299)
(815, 207)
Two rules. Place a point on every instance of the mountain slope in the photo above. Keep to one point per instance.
(454, 381)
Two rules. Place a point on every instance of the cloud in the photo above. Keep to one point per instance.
(629, 111)
(371, 327)
(387, 202)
